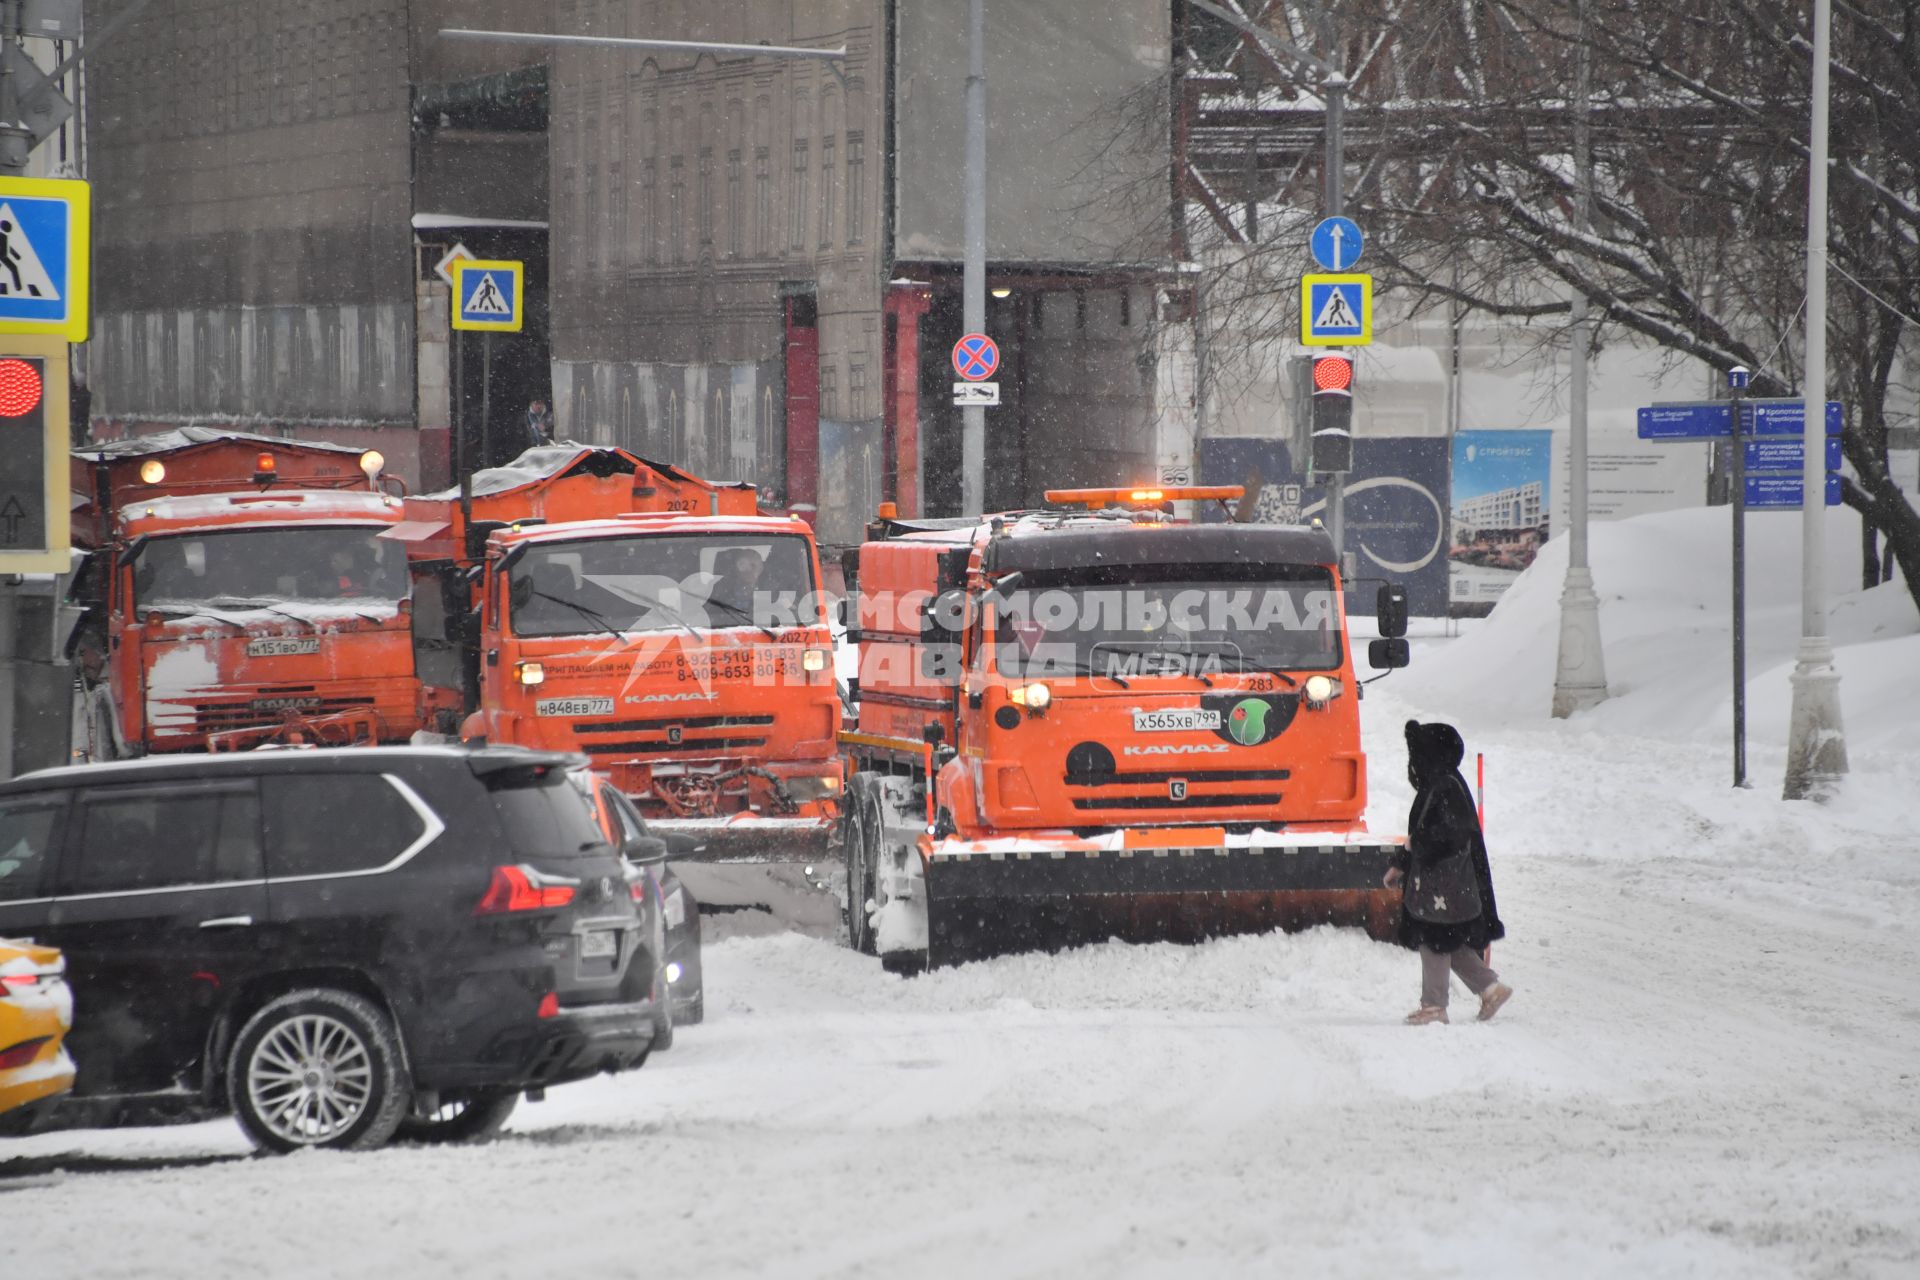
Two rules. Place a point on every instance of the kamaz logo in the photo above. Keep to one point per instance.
(673, 697)
(1185, 749)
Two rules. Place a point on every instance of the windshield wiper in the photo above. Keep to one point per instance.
(1077, 666)
(596, 618)
(1249, 664)
(194, 611)
(746, 614)
(1150, 649)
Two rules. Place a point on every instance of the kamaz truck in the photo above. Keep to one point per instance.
(236, 592)
(1096, 720)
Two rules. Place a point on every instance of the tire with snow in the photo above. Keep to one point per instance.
(863, 827)
(318, 1067)
(469, 1117)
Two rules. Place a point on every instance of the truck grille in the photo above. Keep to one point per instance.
(268, 708)
(1226, 801)
(668, 722)
(650, 745)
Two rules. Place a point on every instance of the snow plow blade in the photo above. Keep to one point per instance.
(995, 897)
(755, 876)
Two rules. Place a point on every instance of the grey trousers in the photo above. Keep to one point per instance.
(1437, 966)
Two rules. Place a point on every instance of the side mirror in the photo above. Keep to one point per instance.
(645, 851)
(1388, 655)
(1390, 611)
(840, 612)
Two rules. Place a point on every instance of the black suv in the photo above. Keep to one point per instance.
(337, 946)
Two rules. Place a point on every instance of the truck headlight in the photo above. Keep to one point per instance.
(1321, 690)
(814, 660)
(529, 673)
(1034, 697)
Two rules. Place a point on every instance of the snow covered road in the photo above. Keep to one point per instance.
(1712, 1068)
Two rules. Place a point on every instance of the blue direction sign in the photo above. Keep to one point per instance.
(1786, 453)
(43, 256)
(1707, 419)
(1337, 243)
(1781, 492)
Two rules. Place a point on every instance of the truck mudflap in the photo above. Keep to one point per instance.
(990, 897)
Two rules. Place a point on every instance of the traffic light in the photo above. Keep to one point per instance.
(1332, 412)
(33, 454)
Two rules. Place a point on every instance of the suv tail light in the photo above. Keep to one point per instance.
(522, 888)
(21, 1054)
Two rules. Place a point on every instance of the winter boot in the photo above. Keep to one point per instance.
(1426, 1013)
(1492, 998)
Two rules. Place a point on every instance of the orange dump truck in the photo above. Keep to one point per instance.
(601, 603)
(1092, 722)
(237, 592)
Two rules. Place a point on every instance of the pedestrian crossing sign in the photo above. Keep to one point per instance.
(489, 295)
(44, 240)
(1336, 310)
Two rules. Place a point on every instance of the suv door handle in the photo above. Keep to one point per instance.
(227, 922)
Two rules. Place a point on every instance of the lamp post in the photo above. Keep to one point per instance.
(1816, 739)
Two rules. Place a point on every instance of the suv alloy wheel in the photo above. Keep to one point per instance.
(318, 1068)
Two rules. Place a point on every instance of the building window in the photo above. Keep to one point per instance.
(590, 209)
(797, 199)
(676, 209)
(762, 202)
(827, 175)
(856, 389)
(706, 196)
(829, 393)
(617, 230)
(649, 211)
(734, 200)
(856, 168)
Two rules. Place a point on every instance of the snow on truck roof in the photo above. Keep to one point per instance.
(1079, 543)
(658, 522)
(186, 437)
(546, 462)
(267, 508)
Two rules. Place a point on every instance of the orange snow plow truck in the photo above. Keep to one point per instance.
(1099, 721)
(235, 592)
(590, 600)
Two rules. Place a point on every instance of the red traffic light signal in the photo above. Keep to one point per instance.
(1332, 373)
(20, 388)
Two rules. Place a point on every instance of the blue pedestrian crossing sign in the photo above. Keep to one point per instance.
(44, 241)
(1336, 310)
(489, 295)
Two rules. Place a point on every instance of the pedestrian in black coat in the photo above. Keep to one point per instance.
(1447, 912)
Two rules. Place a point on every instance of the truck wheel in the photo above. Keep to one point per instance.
(467, 1117)
(318, 1068)
(863, 859)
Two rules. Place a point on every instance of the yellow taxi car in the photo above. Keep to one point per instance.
(36, 1011)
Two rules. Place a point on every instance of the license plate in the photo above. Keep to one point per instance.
(574, 707)
(280, 647)
(1179, 720)
(595, 945)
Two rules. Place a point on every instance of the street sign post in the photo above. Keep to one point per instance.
(1337, 243)
(43, 256)
(975, 357)
(1336, 310)
(489, 296)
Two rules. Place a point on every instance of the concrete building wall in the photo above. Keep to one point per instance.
(689, 196)
(252, 256)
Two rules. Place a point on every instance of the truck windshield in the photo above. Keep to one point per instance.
(1210, 620)
(663, 582)
(254, 568)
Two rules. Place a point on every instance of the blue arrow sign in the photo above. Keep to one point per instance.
(1337, 243)
(1782, 492)
(1707, 419)
(1786, 453)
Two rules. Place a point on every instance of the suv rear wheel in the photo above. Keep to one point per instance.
(317, 1068)
(473, 1116)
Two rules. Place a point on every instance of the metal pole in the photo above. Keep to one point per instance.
(15, 141)
(1580, 674)
(486, 397)
(1816, 739)
(1737, 448)
(462, 474)
(1335, 86)
(973, 434)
